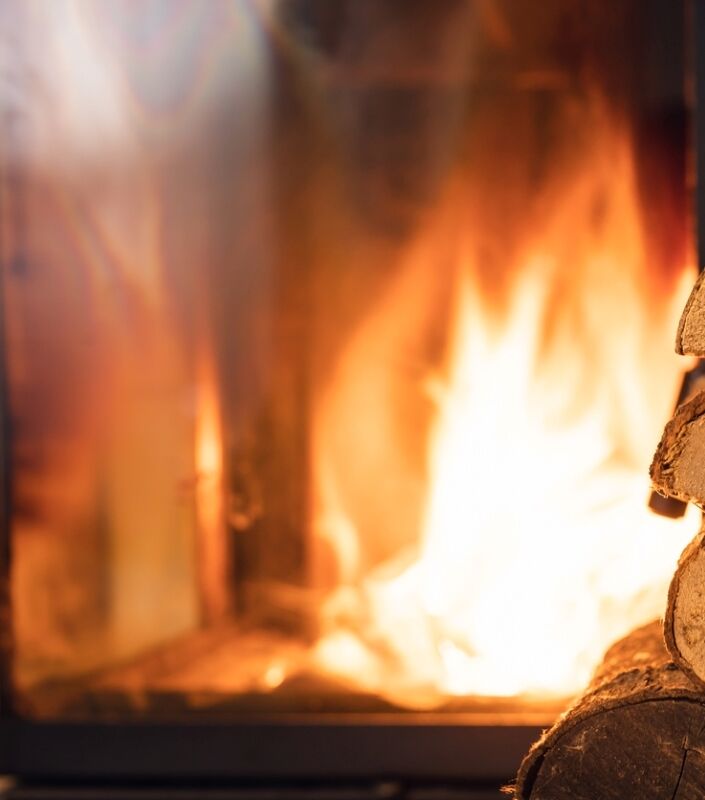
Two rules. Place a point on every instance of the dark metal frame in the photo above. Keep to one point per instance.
(697, 25)
(417, 747)
(12, 211)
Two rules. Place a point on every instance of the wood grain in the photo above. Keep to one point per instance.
(637, 732)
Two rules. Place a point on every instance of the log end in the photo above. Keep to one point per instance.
(678, 467)
(648, 750)
(690, 338)
(684, 623)
(637, 732)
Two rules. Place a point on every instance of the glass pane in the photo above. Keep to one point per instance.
(338, 341)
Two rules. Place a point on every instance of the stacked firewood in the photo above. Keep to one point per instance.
(639, 729)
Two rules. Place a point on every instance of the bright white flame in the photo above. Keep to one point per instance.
(537, 548)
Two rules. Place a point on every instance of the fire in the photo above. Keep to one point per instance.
(209, 503)
(535, 549)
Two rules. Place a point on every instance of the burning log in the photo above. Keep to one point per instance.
(690, 339)
(638, 731)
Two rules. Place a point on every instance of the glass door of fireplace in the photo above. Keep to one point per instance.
(337, 340)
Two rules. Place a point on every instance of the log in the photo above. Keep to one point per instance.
(637, 732)
(690, 339)
(693, 382)
(678, 468)
(684, 623)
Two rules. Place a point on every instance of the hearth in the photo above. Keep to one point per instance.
(335, 350)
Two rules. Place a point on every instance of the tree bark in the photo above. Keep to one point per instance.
(637, 732)
(678, 468)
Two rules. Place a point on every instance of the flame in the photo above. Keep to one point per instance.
(535, 548)
(213, 559)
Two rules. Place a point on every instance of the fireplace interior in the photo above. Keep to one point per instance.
(337, 338)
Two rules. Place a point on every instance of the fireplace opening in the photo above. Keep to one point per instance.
(337, 339)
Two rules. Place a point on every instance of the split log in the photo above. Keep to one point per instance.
(684, 624)
(678, 468)
(690, 339)
(637, 732)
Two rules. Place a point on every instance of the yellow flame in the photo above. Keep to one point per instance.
(536, 549)
(213, 559)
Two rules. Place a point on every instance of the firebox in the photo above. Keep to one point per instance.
(336, 343)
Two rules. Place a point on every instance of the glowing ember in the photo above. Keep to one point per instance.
(537, 549)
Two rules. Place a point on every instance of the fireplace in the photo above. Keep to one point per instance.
(337, 340)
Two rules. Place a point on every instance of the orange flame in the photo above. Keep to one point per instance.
(213, 557)
(536, 549)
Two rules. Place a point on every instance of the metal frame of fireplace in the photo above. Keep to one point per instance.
(458, 748)
(344, 747)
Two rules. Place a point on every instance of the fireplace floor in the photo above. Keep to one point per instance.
(221, 672)
(192, 711)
